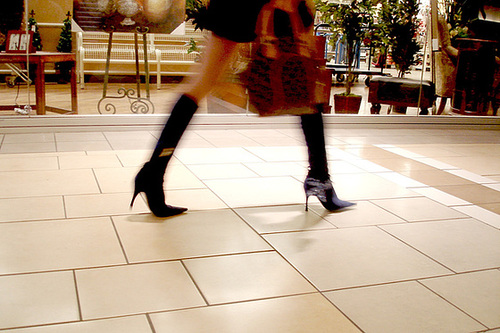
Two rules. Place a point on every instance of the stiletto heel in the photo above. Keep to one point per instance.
(325, 193)
(150, 183)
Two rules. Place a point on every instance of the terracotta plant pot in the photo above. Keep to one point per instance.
(347, 104)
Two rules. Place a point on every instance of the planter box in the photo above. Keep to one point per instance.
(347, 104)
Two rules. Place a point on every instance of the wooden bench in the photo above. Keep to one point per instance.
(400, 93)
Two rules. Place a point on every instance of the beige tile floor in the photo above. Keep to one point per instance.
(419, 253)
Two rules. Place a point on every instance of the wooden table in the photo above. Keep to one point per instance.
(39, 59)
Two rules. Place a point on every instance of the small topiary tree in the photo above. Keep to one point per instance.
(33, 26)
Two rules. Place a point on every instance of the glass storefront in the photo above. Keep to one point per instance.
(154, 52)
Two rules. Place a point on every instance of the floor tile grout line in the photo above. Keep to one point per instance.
(416, 249)
(296, 269)
(150, 322)
(453, 305)
(78, 302)
(193, 280)
(117, 234)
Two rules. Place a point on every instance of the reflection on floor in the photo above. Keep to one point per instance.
(419, 253)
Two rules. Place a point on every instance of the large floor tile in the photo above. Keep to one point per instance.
(178, 176)
(430, 150)
(116, 180)
(401, 164)
(481, 214)
(295, 314)
(476, 194)
(418, 209)
(36, 299)
(273, 169)
(51, 245)
(90, 205)
(47, 183)
(282, 219)
(477, 293)
(436, 177)
(193, 234)
(35, 208)
(31, 147)
(80, 136)
(401, 307)
(132, 324)
(280, 154)
(258, 191)
(366, 186)
(221, 171)
(89, 162)
(352, 257)
(215, 155)
(492, 207)
(28, 138)
(482, 165)
(461, 245)
(83, 146)
(134, 289)
(363, 214)
(440, 196)
(195, 199)
(244, 277)
(28, 163)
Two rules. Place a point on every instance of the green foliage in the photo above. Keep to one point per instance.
(398, 20)
(197, 11)
(65, 42)
(351, 23)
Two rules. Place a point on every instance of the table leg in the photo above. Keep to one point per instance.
(40, 87)
(74, 97)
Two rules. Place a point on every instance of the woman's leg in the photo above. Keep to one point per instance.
(149, 180)
(313, 129)
(318, 181)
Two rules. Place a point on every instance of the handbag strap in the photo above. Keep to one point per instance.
(302, 38)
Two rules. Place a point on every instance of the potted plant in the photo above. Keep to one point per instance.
(348, 22)
(400, 24)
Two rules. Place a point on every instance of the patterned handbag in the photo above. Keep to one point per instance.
(286, 72)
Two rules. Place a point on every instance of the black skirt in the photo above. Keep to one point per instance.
(235, 20)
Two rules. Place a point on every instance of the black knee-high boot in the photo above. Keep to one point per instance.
(313, 129)
(150, 178)
(318, 181)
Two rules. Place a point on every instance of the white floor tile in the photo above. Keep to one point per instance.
(132, 324)
(418, 209)
(62, 244)
(282, 219)
(34, 208)
(295, 314)
(37, 299)
(47, 183)
(480, 214)
(461, 245)
(193, 234)
(477, 294)
(352, 257)
(258, 191)
(90, 205)
(246, 277)
(401, 307)
(135, 289)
